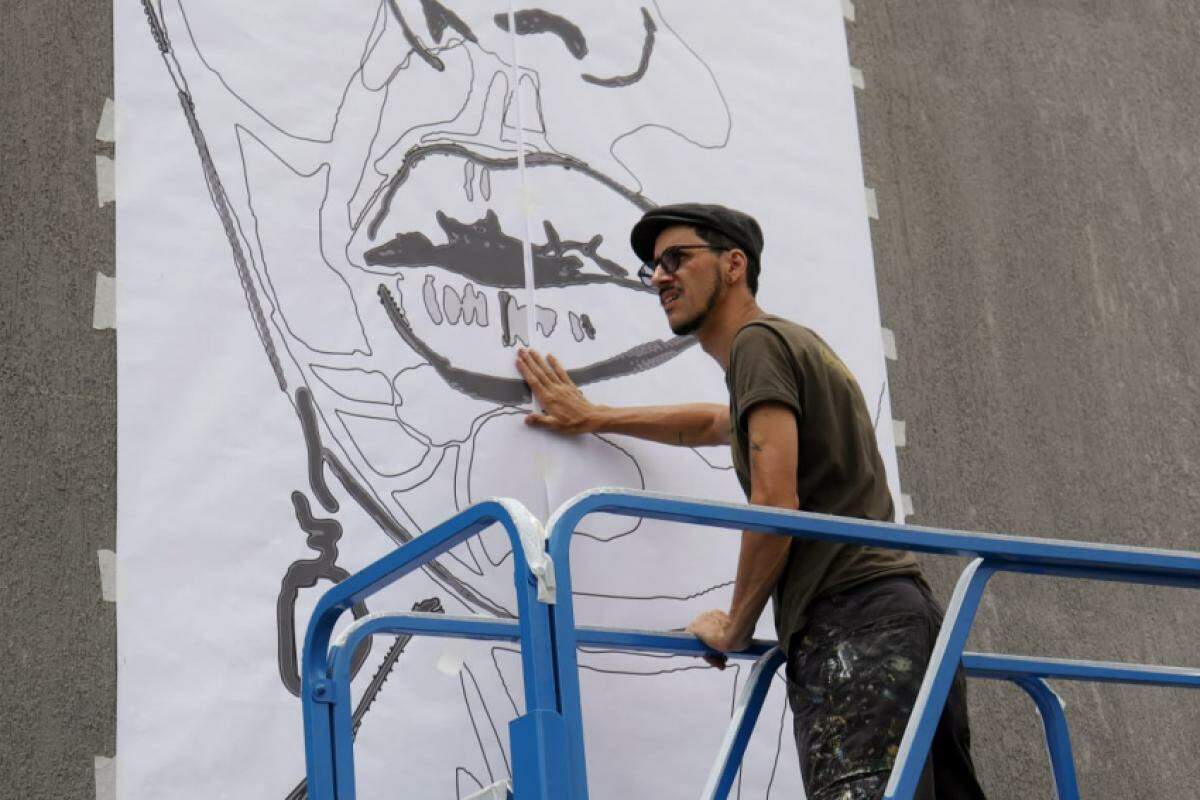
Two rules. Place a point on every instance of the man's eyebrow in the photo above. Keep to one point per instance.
(536, 20)
(636, 75)
(438, 18)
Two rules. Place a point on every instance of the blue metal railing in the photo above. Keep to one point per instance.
(325, 664)
(547, 742)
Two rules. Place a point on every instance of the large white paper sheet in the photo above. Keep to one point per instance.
(322, 236)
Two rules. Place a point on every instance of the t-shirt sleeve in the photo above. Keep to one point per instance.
(761, 369)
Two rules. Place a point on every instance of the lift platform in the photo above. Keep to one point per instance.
(547, 741)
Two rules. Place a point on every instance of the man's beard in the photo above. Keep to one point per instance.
(690, 326)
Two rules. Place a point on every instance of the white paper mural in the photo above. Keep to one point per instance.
(336, 224)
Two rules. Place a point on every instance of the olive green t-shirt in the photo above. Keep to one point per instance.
(840, 471)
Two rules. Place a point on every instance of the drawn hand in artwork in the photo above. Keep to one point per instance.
(564, 407)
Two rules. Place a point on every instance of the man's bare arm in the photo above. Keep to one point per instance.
(565, 409)
(773, 445)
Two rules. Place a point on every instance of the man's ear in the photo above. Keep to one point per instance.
(738, 264)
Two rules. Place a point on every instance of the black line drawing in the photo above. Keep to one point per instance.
(323, 535)
(448, 269)
(636, 75)
(535, 20)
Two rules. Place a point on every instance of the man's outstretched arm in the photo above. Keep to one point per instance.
(565, 409)
(773, 445)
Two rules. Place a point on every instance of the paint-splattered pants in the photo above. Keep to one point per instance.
(853, 676)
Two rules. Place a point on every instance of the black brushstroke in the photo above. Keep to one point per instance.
(513, 391)
(555, 245)
(535, 20)
(438, 18)
(506, 333)
(156, 28)
(305, 573)
(532, 160)
(220, 201)
(481, 251)
(433, 605)
(414, 42)
(312, 444)
(589, 329)
(635, 76)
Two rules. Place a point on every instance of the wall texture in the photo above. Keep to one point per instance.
(1036, 168)
(58, 403)
(1035, 163)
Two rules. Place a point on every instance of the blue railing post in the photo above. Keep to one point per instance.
(745, 717)
(328, 731)
(939, 675)
(1052, 710)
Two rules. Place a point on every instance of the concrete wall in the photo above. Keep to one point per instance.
(1035, 167)
(58, 403)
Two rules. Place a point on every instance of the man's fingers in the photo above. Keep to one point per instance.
(538, 420)
(559, 372)
(529, 373)
(544, 371)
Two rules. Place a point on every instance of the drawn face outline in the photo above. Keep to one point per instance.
(406, 250)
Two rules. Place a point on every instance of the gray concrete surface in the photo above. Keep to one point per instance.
(1036, 170)
(57, 403)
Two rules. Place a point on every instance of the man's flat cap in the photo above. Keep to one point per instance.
(737, 225)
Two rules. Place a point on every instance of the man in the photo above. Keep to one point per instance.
(857, 623)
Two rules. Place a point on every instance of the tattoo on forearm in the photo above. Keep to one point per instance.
(756, 447)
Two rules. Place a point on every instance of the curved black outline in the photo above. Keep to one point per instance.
(618, 81)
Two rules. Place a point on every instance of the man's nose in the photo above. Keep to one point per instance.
(660, 277)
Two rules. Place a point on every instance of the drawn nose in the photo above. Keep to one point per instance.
(524, 98)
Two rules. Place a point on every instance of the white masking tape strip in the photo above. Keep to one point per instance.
(906, 504)
(848, 10)
(106, 130)
(501, 790)
(106, 778)
(889, 344)
(106, 180)
(108, 575)
(872, 204)
(899, 434)
(857, 79)
(450, 664)
(104, 312)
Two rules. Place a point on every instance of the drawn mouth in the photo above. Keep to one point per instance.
(481, 251)
(476, 275)
(532, 161)
(513, 391)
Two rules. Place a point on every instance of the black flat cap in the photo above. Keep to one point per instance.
(737, 225)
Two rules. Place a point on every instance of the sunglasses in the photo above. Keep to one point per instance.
(670, 260)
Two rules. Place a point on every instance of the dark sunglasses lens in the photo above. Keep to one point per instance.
(646, 273)
(670, 259)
